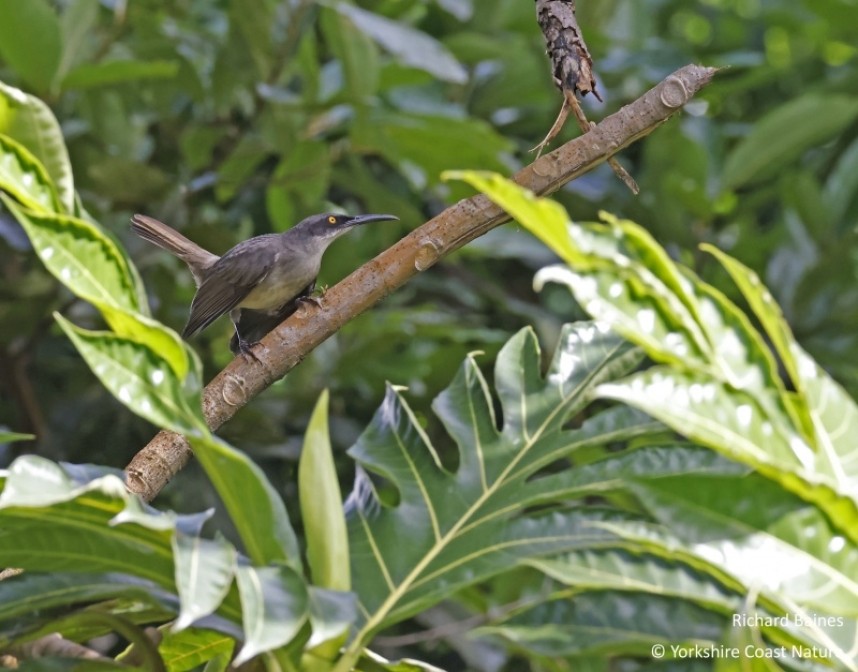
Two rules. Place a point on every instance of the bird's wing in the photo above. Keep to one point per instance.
(226, 285)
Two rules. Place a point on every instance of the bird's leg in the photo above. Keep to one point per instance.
(244, 347)
(306, 295)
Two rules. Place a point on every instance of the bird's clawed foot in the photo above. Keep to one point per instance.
(245, 348)
(316, 301)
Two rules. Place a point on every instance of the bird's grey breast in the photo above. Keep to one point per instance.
(292, 268)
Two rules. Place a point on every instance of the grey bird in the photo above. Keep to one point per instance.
(260, 281)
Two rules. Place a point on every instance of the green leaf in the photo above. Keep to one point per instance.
(256, 509)
(9, 437)
(80, 256)
(523, 206)
(30, 122)
(76, 24)
(52, 523)
(449, 530)
(274, 607)
(204, 573)
(842, 184)
(58, 519)
(768, 313)
(139, 374)
(331, 614)
(300, 181)
(357, 54)
(24, 178)
(762, 535)
(249, 152)
(141, 379)
(746, 639)
(610, 623)
(616, 471)
(755, 539)
(30, 41)
(32, 592)
(110, 73)
(614, 569)
(421, 144)
(254, 22)
(410, 46)
(733, 423)
(721, 387)
(192, 647)
(783, 135)
(322, 505)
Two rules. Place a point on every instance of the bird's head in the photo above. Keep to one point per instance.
(329, 226)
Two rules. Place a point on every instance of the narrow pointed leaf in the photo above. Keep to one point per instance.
(9, 437)
(322, 505)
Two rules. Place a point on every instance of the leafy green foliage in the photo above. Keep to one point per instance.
(147, 562)
(785, 535)
(233, 118)
(448, 530)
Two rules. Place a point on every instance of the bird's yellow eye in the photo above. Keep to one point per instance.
(332, 220)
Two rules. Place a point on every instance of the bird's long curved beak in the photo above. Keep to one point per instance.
(366, 219)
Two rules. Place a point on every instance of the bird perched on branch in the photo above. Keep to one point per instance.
(260, 281)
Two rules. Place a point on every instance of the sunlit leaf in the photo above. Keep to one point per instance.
(190, 648)
(721, 386)
(9, 437)
(30, 122)
(763, 535)
(139, 377)
(24, 178)
(80, 256)
(522, 205)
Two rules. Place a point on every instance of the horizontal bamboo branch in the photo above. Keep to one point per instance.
(284, 348)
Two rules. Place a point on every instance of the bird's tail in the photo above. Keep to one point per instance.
(167, 238)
